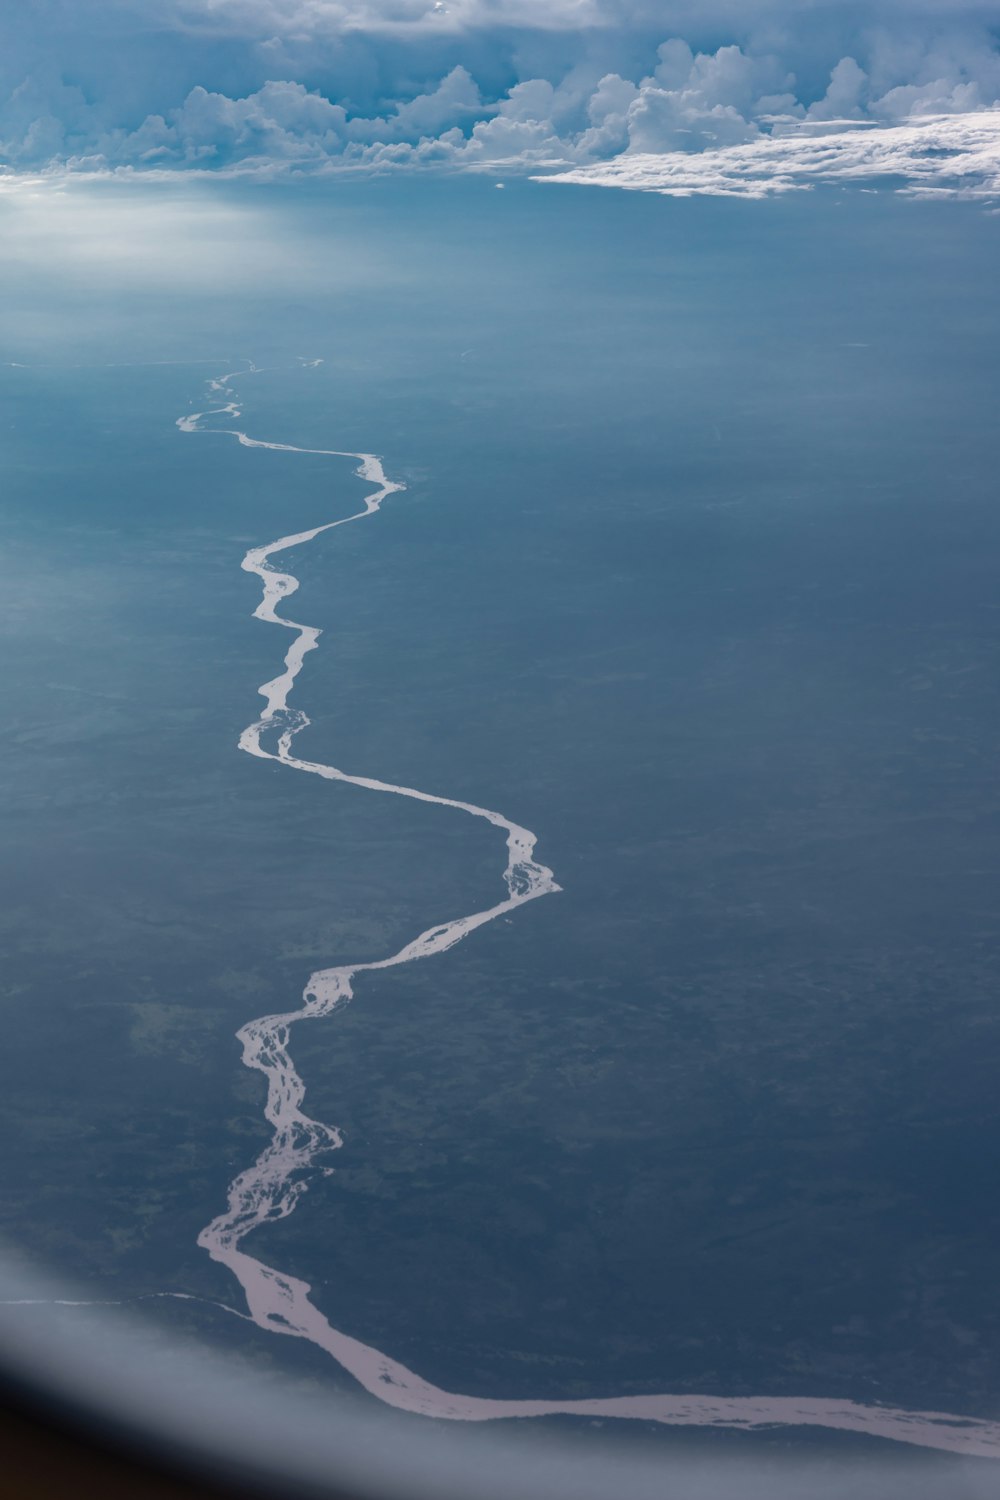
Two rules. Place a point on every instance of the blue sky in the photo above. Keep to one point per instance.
(508, 85)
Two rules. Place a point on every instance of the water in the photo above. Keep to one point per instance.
(693, 576)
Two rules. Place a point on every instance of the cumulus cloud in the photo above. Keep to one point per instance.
(456, 99)
(589, 87)
(846, 94)
(701, 100)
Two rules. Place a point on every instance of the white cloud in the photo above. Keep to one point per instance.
(663, 120)
(956, 155)
(845, 97)
(455, 100)
(397, 84)
(607, 113)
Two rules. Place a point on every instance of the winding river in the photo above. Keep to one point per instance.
(271, 1187)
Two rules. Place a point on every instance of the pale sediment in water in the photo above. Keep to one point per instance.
(271, 1187)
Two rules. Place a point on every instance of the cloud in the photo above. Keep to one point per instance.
(589, 86)
(318, 18)
(455, 100)
(955, 155)
(846, 94)
(705, 99)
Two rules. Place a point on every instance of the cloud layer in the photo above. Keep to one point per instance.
(953, 155)
(740, 99)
